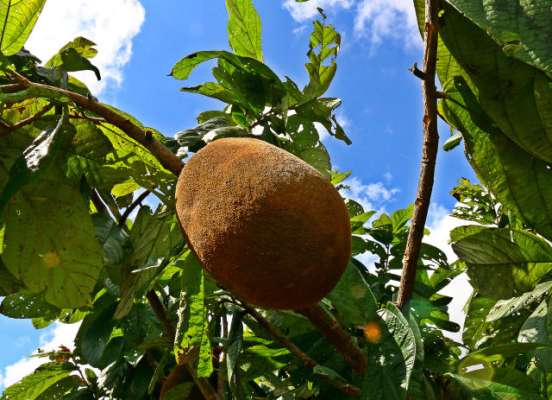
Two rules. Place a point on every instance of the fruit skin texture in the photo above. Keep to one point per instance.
(265, 224)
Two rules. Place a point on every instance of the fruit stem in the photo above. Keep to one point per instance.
(334, 332)
(339, 384)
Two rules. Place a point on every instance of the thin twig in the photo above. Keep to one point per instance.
(335, 333)
(344, 387)
(7, 129)
(203, 384)
(429, 156)
(131, 207)
(166, 157)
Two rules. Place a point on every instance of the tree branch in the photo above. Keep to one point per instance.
(7, 129)
(166, 157)
(429, 155)
(131, 207)
(344, 387)
(340, 338)
(203, 384)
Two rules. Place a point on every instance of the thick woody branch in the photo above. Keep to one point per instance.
(166, 157)
(203, 384)
(429, 155)
(344, 387)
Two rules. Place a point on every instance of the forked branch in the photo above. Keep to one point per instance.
(429, 154)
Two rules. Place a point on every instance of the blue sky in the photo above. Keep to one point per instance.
(139, 41)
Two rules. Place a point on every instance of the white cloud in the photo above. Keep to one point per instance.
(61, 334)
(111, 24)
(377, 20)
(374, 20)
(305, 11)
(371, 196)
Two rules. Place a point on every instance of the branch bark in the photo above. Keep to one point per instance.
(429, 155)
(335, 333)
(203, 384)
(342, 386)
(166, 157)
(6, 129)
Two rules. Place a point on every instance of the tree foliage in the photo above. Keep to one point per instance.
(88, 232)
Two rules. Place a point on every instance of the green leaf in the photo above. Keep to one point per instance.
(452, 142)
(506, 88)
(154, 239)
(36, 158)
(234, 349)
(508, 307)
(63, 257)
(323, 48)
(62, 389)
(518, 259)
(192, 337)
(34, 385)
(353, 299)
(521, 182)
(17, 20)
(522, 28)
(483, 389)
(183, 68)
(391, 360)
(27, 305)
(84, 47)
(8, 283)
(538, 329)
(95, 332)
(244, 29)
(475, 325)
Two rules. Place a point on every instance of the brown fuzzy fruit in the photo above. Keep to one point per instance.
(265, 224)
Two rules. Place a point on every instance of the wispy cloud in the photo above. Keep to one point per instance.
(61, 334)
(304, 11)
(111, 24)
(378, 20)
(374, 20)
(372, 196)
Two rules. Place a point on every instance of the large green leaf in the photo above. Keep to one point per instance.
(96, 331)
(518, 259)
(8, 283)
(505, 87)
(244, 29)
(523, 28)
(538, 329)
(192, 343)
(521, 182)
(353, 299)
(510, 307)
(74, 56)
(154, 238)
(26, 305)
(37, 158)
(17, 20)
(391, 361)
(50, 242)
(34, 385)
(485, 389)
